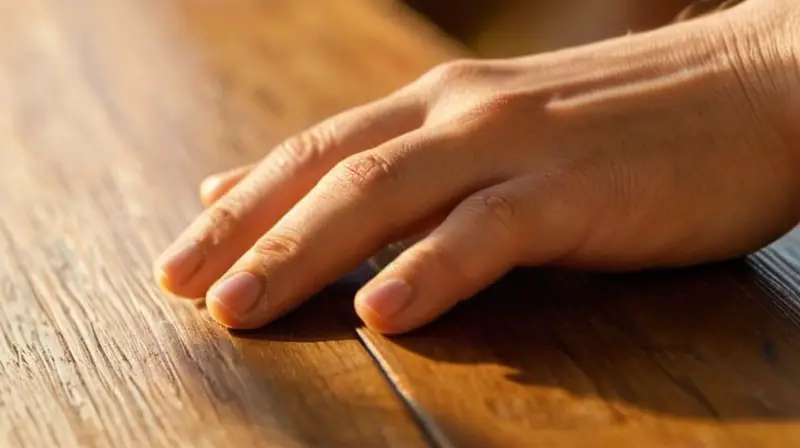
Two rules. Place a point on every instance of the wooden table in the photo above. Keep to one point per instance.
(112, 111)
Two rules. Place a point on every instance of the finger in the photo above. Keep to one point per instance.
(391, 251)
(215, 186)
(230, 226)
(365, 202)
(483, 238)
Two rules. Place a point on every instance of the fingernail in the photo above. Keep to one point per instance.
(387, 299)
(178, 266)
(209, 186)
(238, 294)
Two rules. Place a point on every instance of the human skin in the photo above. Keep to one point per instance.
(668, 148)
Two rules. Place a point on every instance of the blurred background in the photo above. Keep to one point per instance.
(500, 28)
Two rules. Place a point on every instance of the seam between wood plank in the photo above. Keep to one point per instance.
(427, 424)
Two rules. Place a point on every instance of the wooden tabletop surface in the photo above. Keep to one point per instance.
(110, 114)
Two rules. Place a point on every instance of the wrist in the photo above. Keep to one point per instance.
(766, 36)
(794, 75)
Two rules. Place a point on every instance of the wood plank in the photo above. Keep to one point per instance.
(699, 357)
(110, 113)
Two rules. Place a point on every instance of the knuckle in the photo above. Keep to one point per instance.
(452, 72)
(276, 246)
(219, 221)
(498, 107)
(306, 147)
(502, 101)
(495, 209)
(364, 172)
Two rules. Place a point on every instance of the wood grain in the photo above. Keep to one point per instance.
(703, 357)
(110, 113)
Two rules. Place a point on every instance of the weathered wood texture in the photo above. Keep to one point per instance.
(110, 113)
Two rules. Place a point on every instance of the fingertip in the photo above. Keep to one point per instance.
(209, 190)
(162, 279)
(238, 301)
(381, 305)
(176, 266)
(213, 187)
(221, 316)
(379, 325)
(170, 285)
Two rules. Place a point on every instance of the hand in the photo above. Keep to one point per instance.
(667, 148)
